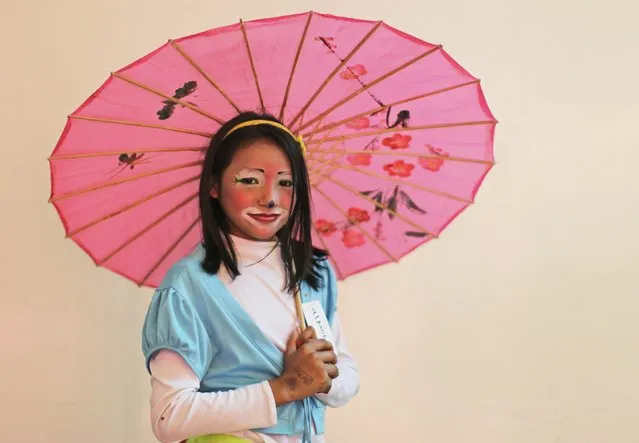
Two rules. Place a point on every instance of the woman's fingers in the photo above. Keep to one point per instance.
(327, 357)
(317, 346)
(307, 334)
(332, 371)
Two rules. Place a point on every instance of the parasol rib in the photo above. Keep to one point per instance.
(297, 57)
(132, 205)
(340, 274)
(169, 250)
(407, 129)
(356, 223)
(311, 158)
(124, 180)
(129, 150)
(402, 154)
(335, 71)
(141, 125)
(250, 56)
(395, 181)
(204, 74)
(167, 97)
(147, 228)
(369, 85)
(378, 204)
(396, 103)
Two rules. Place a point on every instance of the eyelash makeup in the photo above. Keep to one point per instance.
(287, 183)
(244, 180)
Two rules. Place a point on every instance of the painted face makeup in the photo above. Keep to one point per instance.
(256, 191)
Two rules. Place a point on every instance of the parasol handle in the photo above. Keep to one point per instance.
(298, 308)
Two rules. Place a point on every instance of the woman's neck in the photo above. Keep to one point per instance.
(252, 251)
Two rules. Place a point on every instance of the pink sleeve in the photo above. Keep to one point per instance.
(346, 386)
(179, 411)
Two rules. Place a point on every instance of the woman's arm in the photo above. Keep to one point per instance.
(179, 411)
(346, 385)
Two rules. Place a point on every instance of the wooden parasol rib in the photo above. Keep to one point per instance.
(356, 223)
(250, 56)
(310, 160)
(132, 205)
(340, 274)
(335, 71)
(368, 86)
(204, 74)
(146, 229)
(124, 180)
(124, 151)
(141, 125)
(395, 181)
(297, 57)
(402, 154)
(396, 103)
(169, 250)
(378, 204)
(407, 129)
(167, 97)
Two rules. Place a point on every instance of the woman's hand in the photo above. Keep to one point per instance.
(329, 358)
(306, 368)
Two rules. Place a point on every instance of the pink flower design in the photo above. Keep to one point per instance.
(325, 227)
(358, 215)
(352, 238)
(359, 123)
(399, 168)
(359, 159)
(397, 141)
(353, 72)
(431, 164)
(437, 151)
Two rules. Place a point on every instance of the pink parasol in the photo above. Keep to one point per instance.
(399, 138)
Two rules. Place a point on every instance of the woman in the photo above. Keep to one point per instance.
(220, 337)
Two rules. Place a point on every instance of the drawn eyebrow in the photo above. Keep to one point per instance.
(262, 171)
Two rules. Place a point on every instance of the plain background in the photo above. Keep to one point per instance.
(518, 326)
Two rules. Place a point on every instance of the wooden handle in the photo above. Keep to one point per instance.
(298, 307)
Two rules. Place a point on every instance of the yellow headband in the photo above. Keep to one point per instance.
(271, 123)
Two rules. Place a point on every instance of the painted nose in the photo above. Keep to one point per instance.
(269, 199)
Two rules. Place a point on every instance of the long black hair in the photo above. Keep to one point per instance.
(301, 259)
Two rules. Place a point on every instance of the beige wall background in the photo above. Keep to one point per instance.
(518, 326)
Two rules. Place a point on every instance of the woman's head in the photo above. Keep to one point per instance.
(255, 185)
(255, 190)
